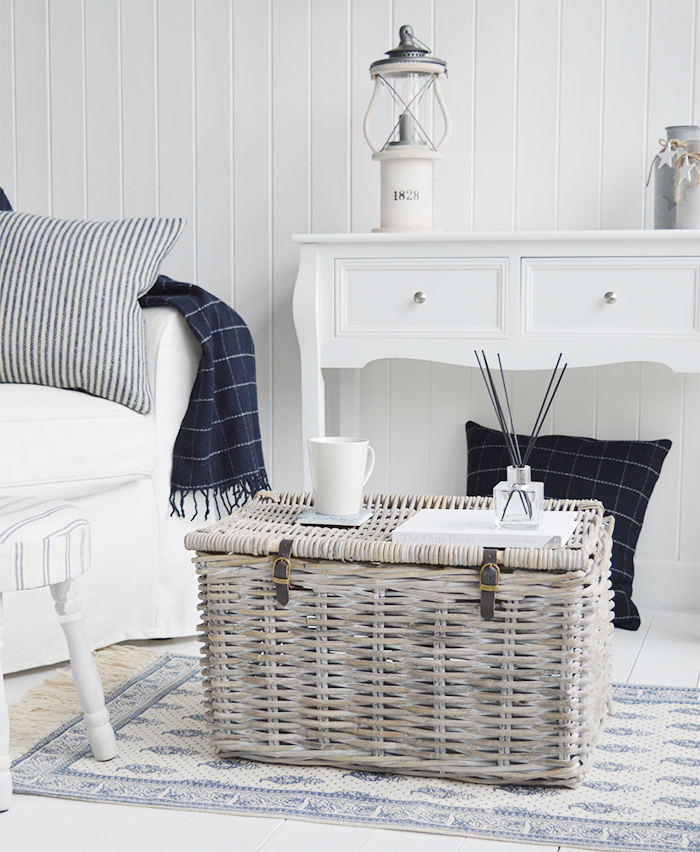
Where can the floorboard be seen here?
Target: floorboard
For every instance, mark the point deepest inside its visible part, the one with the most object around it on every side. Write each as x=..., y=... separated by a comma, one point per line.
x=627, y=645
x=472, y=845
x=295, y=836
x=219, y=831
x=385, y=840
x=665, y=651
x=670, y=655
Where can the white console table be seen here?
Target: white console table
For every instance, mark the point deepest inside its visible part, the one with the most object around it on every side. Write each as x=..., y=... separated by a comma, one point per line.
x=599, y=297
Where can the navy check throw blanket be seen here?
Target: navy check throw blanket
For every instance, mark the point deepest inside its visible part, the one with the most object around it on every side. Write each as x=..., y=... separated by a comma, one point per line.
x=218, y=452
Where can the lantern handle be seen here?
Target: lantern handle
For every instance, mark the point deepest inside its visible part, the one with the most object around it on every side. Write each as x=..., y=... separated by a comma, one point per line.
x=445, y=115
x=375, y=95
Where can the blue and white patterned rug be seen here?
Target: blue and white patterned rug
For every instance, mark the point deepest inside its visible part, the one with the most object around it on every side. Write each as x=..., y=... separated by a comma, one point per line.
x=643, y=792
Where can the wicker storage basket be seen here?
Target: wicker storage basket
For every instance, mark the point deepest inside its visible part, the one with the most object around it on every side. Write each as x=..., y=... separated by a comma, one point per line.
x=381, y=661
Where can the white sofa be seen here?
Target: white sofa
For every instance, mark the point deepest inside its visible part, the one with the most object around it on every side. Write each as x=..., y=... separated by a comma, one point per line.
x=113, y=463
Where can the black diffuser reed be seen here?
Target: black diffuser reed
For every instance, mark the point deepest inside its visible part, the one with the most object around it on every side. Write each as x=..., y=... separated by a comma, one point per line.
x=527, y=508
x=517, y=457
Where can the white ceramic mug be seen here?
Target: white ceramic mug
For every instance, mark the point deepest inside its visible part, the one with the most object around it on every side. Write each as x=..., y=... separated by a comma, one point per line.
x=339, y=469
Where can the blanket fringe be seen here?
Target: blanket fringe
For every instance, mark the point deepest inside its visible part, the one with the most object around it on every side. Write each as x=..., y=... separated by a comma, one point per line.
x=224, y=500
x=53, y=702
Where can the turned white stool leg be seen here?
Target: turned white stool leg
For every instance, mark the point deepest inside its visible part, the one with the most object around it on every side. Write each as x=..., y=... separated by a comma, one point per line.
x=85, y=675
x=5, y=778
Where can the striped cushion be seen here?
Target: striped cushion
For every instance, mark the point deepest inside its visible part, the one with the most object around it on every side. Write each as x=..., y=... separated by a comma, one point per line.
x=69, y=302
x=41, y=542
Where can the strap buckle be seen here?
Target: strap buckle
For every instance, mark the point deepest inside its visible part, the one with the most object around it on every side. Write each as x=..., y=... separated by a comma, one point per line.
x=284, y=577
x=488, y=583
x=281, y=568
x=493, y=577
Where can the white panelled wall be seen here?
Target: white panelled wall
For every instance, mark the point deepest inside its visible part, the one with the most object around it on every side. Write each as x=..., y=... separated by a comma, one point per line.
x=245, y=118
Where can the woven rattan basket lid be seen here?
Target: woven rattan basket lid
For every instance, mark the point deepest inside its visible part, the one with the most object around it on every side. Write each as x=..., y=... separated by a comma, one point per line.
x=257, y=528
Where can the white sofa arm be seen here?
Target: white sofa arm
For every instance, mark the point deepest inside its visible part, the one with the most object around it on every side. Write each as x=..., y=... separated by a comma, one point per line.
x=173, y=358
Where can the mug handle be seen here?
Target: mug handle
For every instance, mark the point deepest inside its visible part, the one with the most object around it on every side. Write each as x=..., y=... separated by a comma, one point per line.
x=370, y=464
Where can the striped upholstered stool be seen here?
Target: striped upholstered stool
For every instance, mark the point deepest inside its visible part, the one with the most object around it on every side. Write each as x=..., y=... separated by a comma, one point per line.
x=47, y=543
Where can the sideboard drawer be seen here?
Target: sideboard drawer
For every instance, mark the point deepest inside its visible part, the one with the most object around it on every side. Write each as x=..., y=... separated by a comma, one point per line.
x=420, y=297
x=608, y=295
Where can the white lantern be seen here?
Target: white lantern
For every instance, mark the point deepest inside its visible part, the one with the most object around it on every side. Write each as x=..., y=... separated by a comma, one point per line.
x=406, y=158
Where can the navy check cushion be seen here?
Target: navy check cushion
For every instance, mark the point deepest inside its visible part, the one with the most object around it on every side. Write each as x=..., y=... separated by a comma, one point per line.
x=69, y=302
x=621, y=474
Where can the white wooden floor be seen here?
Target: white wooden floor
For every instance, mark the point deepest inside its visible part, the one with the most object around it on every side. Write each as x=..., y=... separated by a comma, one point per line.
x=665, y=651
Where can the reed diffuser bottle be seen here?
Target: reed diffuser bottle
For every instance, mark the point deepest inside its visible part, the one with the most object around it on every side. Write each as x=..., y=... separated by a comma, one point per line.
x=518, y=501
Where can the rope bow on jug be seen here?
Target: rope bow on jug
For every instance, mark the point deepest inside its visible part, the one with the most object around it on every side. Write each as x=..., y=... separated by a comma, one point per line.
x=685, y=165
x=684, y=162
x=667, y=154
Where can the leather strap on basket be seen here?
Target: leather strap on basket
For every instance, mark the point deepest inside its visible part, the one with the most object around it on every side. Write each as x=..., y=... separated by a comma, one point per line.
x=280, y=571
x=488, y=582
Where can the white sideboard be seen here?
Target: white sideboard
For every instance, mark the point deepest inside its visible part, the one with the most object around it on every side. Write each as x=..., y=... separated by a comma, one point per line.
x=599, y=297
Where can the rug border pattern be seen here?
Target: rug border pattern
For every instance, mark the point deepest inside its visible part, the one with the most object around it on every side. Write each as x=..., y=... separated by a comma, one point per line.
x=34, y=773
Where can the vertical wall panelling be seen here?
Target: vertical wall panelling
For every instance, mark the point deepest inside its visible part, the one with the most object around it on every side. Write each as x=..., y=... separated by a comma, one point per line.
x=661, y=416
x=575, y=406
x=332, y=380
x=526, y=390
x=624, y=114
x=409, y=454
x=349, y=408
x=245, y=118
x=103, y=109
x=453, y=174
x=330, y=172
x=8, y=163
x=372, y=36
x=330, y=101
x=581, y=58
x=252, y=189
x=480, y=407
x=449, y=394
x=213, y=132
x=670, y=70
x=67, y=97
x=617, y=402
x=139, y=107
x=375, y=422
x=667, y=536
x=495, y=120
x=290, y=214
x=537, y=153
x=695, y=92
x=32, y=120
x=176, y=128
x=690, y=465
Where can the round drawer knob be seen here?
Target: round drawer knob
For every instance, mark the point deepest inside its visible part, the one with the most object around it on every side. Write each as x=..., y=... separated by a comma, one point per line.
x=610, y=297
x=419, y=297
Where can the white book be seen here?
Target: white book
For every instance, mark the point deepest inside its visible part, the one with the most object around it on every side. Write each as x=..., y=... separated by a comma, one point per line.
x=477, y=527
